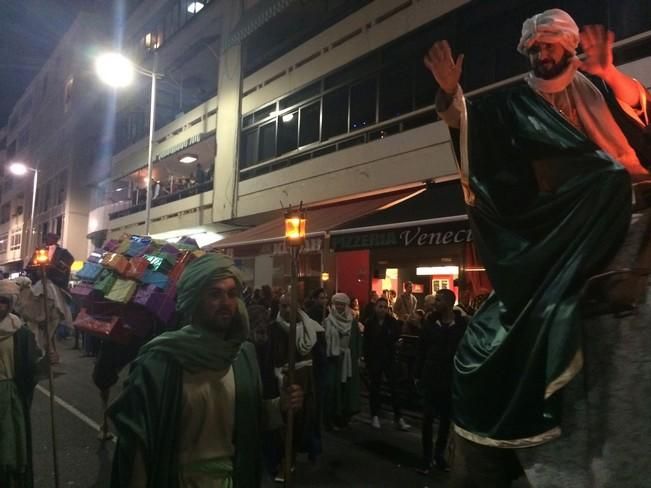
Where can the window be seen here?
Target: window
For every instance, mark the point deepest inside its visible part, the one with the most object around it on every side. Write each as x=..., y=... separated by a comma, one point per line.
x=16, y=238
x=5, y=213
x=395, y=94
x=335, y=113
x=267, y=141
x=58, y=228
x=287, y=132
x=3, y=242
x=248, y=148
x=362, y=104
x=309, y=131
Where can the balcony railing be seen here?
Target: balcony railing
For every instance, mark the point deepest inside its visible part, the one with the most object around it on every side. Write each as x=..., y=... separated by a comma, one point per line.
x=163, y=199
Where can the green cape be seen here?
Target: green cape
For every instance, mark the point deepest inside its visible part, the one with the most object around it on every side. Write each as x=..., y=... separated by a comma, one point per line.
x=538, y=248
x=147, y=413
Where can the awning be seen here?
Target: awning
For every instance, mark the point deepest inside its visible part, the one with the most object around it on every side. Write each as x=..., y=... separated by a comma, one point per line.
x=434, y=216
x=319, y=220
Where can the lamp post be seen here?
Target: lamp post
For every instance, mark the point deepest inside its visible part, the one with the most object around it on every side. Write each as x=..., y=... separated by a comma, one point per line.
x=117, y=71
x=295, y=224
x=21, y=169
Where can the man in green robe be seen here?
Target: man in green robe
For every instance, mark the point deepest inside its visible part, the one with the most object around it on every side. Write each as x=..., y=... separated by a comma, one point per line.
x=191, y=412
x=18, y=361
x=546, y=166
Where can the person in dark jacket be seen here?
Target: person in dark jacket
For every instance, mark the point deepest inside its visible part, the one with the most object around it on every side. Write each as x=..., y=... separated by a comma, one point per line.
x=442, y=331
x=380, y=337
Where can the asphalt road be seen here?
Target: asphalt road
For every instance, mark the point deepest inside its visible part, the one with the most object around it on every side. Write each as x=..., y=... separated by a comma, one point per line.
x=357, y=457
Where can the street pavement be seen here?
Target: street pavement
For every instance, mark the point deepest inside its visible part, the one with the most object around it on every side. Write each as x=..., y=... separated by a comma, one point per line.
x=356, y=457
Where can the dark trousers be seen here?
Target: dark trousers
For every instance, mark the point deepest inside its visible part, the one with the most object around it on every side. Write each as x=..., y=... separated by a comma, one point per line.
x=436, y=403
x=378, y=370
x=478, y=466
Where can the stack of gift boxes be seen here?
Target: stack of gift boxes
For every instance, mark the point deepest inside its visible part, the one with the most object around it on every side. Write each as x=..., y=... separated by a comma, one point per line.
x=127, y=290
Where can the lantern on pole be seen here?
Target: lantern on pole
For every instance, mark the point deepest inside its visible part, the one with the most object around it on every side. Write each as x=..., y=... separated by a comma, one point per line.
x=41, y=258
x=295, y=230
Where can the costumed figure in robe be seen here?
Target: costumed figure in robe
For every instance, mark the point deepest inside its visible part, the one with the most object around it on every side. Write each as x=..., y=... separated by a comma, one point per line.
x=307, y=434
x=343, y=349
x=59, y=300
x=553, y=370
x=191, y=412
x=18, y=365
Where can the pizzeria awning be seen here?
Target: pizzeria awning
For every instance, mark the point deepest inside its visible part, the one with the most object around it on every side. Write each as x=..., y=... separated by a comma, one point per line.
x=320, y=220
x=432, y=216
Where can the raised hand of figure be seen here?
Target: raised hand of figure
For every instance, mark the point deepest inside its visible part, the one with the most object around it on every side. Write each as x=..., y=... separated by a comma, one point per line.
x=446, y=71
x=597, y=44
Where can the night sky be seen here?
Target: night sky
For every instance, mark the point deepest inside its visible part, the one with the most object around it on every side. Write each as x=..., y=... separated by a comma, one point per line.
x=29, y=31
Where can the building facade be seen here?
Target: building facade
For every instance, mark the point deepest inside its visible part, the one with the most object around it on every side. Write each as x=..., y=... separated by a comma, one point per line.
x=54, y=129
x=324, y=102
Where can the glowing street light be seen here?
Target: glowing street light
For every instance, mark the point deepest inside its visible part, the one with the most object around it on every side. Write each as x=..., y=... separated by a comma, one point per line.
x=20, y=169
x=117, y=71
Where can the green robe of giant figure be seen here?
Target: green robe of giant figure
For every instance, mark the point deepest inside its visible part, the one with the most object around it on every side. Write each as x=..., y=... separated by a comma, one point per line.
x=548, y=209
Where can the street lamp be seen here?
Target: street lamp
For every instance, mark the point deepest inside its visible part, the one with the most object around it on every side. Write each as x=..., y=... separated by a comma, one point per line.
x=295, y=229
x=117, y=71
x=21, y=169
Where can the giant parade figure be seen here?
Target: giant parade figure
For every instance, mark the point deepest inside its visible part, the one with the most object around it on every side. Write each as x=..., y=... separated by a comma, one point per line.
x=553, y=374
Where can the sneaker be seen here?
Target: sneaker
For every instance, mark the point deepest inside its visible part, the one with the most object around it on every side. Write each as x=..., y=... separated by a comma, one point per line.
x=375, y=423
x=402, y=425
x=442, y=464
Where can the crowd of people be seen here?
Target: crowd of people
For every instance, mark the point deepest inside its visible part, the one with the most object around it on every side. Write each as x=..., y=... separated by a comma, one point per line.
x=340, y=348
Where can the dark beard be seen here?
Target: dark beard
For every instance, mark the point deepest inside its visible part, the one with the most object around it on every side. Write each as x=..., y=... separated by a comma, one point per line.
x=553, y=71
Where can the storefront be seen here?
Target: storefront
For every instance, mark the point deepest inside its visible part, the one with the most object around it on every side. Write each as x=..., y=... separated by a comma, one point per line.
x=425, y=239
x=261, y=254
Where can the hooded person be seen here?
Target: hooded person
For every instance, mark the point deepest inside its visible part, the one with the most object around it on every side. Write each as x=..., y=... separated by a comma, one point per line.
x=191, y=411
x=343, y=349
x=550, y=167
x=18, y=361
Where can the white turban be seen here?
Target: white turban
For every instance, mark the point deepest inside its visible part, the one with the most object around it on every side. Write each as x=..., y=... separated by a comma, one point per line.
x=340, y=298
x=551, y=26
x=9, y=289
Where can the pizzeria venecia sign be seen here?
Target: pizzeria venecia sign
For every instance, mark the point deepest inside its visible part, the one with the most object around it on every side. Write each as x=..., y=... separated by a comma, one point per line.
x=416, y=236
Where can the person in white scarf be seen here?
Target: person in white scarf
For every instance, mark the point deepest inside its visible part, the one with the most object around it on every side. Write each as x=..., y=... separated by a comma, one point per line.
x=343, y=351
x=550, y=40
x=18, y=358
x=307, y=429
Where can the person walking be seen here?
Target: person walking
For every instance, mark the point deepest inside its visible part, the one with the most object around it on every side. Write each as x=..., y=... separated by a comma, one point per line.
x=191, y=413
x=380, y=337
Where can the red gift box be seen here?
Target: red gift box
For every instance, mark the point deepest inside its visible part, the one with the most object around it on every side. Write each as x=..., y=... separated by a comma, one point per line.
x=176, y=272
x=136, y=268
x=109, y=327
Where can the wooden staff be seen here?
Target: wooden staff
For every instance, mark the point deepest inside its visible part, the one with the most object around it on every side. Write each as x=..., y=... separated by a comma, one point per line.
x=291, y=366
x=43, y=264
